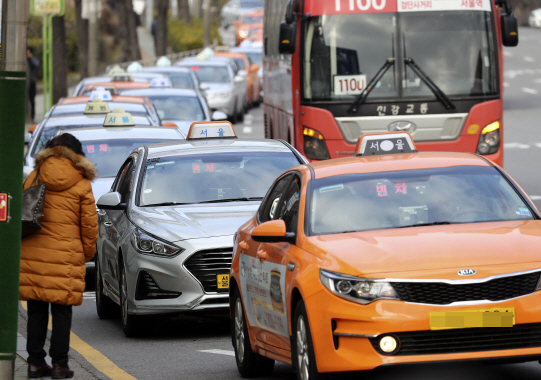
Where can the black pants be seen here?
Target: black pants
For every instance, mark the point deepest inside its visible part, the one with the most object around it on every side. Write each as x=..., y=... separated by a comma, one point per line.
x=32, y=98
x=38, y=317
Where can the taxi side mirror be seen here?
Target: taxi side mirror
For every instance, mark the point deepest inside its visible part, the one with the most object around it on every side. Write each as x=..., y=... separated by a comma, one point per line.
x=32, y=128
x=254, y=68
x=111, y=201
x=273, y=231
x=169, y=124
x=236, y=24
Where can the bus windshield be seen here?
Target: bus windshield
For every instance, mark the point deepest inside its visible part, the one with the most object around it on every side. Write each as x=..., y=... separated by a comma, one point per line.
x=456, y=50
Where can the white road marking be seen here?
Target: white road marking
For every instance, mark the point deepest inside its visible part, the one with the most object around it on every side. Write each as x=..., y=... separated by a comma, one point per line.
x=505, y=84
x=219, y=352
x=529, y=90
x=538, y=80
x=529, y=59
x=89, y=295
x=514, y=73
x=516, y=145
x=247, y=129
x=535, y=197
x=538, y=145
x=507, y=53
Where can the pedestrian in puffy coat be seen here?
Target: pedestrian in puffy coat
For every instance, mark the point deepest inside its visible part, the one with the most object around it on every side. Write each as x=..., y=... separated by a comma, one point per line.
x=53, y=258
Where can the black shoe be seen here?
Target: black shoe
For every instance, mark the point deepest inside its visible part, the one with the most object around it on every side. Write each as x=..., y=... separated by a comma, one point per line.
x=61, y=372
x=37, y=371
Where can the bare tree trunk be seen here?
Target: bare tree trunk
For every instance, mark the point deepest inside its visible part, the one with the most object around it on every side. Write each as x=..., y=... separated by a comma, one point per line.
x=161, y=26
x=127, y=32
x=184, y=11
x=60, y=60
x=82, y=40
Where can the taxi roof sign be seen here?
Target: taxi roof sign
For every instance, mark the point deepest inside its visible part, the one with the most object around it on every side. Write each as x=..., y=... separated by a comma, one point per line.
x=100, y=93
x=111, y=88
x=122, y=77
x=97, y=106
x=118, y=118
x=116, y=69
x=211, y=130
x=372, y=144
x=160, y=82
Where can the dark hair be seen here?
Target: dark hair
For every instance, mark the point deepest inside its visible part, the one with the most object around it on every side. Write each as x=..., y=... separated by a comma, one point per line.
x=30, y=48
x=67, y=140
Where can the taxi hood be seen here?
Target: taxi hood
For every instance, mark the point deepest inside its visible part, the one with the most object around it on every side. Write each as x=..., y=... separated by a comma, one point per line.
x=432, y=249
x=175, y=223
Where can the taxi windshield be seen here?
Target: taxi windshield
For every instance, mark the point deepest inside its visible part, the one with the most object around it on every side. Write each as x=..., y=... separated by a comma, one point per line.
x=178, y=107
x=410, y=198
x=181, y=80
x=108, y=155
x=218, y=177
x=213, y=74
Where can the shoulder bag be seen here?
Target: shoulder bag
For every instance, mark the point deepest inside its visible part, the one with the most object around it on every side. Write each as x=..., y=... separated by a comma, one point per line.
x=33, y=199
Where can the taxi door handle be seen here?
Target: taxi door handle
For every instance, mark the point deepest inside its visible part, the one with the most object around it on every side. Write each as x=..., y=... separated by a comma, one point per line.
x=244, y=245
x=262, y=255
x=108, y=224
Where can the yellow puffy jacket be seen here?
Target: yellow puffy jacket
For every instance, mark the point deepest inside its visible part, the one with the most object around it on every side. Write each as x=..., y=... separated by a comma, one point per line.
x=53, y=258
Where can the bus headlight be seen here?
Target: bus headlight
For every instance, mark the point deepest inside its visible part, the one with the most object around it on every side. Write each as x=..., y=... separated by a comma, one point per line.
x=489, y=140
x=314, y=145
x=357, y=289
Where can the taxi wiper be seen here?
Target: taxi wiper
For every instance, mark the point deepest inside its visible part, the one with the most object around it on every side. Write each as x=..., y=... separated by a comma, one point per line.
x=167, y=204
x=430, y=84
x=425, y=224
x=241, y=199
x=368, y=89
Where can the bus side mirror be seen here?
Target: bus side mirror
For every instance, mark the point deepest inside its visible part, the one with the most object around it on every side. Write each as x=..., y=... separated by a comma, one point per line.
x=288, y=38
x=509, y=30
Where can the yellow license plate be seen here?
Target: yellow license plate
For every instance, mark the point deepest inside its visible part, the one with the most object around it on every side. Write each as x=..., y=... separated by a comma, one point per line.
x=463, y=319
x=223, y=281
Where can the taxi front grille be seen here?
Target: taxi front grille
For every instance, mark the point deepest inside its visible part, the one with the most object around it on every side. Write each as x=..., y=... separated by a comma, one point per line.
x=464, y=340
x=440, y=293
x=206, y=265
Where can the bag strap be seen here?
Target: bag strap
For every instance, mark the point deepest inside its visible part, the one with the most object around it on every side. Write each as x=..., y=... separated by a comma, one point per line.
x=36, y=177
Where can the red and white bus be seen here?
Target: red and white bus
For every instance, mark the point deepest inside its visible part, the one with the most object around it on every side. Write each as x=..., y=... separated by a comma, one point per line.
x=337, y=69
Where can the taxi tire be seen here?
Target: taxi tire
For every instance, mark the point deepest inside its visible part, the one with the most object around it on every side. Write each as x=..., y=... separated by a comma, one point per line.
x=105, y=307
x=130, y=322
x=252, y=364
x=302, y=330
x=233, y=116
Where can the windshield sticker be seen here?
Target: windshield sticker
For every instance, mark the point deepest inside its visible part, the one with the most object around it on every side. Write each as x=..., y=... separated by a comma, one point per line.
x=523, y=211
x=349, y=84
x=442, y=5
x=381, y=189
x=401, y=188
x=148, y=191
x=263, y=291
x=413, y=215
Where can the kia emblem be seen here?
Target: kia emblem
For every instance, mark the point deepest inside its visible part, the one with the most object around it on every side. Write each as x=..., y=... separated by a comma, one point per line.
x=466, y=272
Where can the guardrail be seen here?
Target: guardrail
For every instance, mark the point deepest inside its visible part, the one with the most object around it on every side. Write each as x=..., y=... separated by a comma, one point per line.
x=152, y=61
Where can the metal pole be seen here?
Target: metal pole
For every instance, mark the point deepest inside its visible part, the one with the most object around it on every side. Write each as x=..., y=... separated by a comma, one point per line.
x=50, y=64
x=12, y=118
x=45, y=63
x=93, y=39
x=206, y=22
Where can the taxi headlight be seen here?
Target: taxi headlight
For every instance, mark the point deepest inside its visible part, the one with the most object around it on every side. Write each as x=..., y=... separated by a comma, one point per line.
x=356, y=289
x=489, y=140
x=243, y=33
x=152, y=246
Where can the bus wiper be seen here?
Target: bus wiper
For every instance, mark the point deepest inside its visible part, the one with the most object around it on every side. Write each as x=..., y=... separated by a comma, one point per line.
x=241, y=199
x=368, y=89
x=431, y=85
x=425, y=224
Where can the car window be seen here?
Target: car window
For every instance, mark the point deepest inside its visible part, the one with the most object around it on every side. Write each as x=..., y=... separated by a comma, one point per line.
x=181, y=80
x=125, y=179
x=178, y=107
x=212, y=74
x=269, y=207
x=361, y=202
x=289, y=207
x=212, y=177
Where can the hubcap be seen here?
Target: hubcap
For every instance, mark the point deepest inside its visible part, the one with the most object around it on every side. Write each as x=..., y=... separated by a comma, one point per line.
x=239, y=330
x=302, y=349
x=124, y=292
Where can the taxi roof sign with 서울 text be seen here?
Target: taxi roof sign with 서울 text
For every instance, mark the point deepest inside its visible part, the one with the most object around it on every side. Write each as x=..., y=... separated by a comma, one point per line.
x=100, y=93
x=211, y=130
x=118, y=118
x=372, y=144
x=97, y=106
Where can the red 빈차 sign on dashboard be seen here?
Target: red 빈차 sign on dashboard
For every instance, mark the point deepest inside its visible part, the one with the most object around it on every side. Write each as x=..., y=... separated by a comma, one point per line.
x=3, y=207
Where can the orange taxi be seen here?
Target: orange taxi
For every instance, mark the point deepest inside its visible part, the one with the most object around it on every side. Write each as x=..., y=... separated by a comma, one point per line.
x=251, y=69
x=116, y=98
x=115, y=87
x=246, y=23
x=391, y=256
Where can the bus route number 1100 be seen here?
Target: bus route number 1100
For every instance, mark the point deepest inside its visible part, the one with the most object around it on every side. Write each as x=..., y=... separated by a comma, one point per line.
x=349, y=84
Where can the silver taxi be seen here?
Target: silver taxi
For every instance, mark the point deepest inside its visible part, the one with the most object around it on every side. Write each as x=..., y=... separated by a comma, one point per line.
x=166, y=227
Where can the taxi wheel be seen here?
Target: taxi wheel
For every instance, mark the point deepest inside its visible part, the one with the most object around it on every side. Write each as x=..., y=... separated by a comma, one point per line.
x=130, y=322
x=304, y=359
x=233, y=116
x=105, y=307
x=249, y=363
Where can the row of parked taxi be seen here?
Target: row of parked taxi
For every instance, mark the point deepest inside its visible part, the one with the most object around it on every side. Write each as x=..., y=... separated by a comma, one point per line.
x=386, y=257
